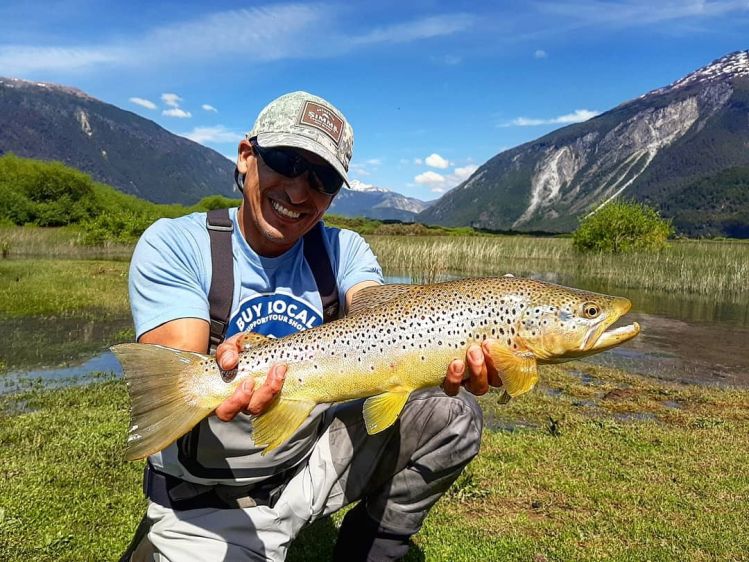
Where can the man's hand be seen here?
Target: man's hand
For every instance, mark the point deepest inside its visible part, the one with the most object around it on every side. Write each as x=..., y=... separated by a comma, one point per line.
x=246, y=398
x=481, y=372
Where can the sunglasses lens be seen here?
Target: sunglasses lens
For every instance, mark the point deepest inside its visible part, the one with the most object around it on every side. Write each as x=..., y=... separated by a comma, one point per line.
x=330, y=181
x=291, y=164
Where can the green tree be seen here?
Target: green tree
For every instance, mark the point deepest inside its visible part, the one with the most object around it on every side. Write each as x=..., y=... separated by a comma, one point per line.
x=620, y=227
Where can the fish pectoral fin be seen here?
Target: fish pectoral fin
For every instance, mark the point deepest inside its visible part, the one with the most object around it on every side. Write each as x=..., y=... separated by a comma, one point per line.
x=517, y=369
x=280, y=422
x=381, y=411
x=251, y=340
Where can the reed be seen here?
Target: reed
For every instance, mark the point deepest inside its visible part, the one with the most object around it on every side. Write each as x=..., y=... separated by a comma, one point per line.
x=62, y=242
x=718, y=269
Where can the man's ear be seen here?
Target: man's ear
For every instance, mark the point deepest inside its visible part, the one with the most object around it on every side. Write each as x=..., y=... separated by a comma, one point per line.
x=244, y=151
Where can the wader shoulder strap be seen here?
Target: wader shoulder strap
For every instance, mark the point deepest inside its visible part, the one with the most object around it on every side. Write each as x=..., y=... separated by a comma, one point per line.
x=319, y=262
x=220, y=228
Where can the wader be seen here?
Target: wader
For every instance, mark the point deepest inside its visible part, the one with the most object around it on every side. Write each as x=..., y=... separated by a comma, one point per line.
x=398, y=474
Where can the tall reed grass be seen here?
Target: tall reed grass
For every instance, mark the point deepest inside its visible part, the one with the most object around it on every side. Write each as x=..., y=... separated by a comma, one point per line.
x=716, y=269
x=62, y=242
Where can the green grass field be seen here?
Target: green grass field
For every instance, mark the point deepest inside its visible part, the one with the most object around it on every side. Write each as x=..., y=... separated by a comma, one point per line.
x=652, y=472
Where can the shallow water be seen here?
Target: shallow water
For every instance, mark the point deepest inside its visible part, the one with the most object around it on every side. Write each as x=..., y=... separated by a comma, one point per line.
x=683, y=338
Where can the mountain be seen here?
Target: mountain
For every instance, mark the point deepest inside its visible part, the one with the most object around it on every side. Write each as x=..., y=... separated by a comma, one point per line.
x=683, y=149
x=376, y=203
x=117, y=147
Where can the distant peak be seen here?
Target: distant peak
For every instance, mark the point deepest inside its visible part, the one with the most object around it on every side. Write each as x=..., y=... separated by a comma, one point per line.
x=729, y=66
x=20, y=83
x=357, y=185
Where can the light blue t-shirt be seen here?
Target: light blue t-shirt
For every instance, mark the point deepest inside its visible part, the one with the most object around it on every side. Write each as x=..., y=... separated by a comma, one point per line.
x=170, y=277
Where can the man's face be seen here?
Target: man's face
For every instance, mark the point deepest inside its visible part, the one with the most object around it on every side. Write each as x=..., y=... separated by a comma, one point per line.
x=277, y=210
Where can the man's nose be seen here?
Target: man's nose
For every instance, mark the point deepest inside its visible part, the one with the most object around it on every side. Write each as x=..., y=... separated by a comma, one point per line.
x=298, y=188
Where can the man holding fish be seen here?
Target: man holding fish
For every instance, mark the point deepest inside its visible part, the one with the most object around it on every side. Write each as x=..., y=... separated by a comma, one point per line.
x=215, y=494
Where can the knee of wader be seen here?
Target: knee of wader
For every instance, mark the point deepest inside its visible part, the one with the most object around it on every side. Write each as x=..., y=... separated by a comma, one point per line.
x=469, y=421
x=452, y=427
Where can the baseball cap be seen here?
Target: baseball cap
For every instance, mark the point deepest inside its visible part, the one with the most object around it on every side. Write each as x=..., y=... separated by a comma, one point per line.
x=302, y=120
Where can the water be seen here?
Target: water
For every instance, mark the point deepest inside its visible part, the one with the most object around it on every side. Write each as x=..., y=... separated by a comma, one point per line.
x=683, y=338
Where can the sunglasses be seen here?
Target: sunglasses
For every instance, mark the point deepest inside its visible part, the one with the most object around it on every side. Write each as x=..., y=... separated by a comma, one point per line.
x=290, y=163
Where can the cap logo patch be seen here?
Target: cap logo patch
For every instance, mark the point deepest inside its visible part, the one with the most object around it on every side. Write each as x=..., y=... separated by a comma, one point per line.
x=321, y=118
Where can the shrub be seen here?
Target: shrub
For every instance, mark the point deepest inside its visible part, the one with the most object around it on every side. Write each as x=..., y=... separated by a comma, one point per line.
x=621, y=227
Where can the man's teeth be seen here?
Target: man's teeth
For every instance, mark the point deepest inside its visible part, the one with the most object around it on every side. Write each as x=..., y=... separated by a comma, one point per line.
x=284, y=211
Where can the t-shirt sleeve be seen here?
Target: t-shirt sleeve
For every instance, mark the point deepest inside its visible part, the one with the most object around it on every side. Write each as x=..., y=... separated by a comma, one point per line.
x=356, y=262
x=168, y=278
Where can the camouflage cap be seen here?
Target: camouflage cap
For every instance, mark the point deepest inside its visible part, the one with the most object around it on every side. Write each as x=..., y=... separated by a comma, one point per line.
x=301, y=120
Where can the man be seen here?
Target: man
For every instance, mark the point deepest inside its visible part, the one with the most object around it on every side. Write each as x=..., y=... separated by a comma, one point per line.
x=212, y=495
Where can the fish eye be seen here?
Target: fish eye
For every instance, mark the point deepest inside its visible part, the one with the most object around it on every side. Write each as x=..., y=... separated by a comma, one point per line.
x=591, y=310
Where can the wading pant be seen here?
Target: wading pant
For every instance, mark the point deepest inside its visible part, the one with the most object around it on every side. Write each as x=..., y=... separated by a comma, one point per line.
x=398, y=474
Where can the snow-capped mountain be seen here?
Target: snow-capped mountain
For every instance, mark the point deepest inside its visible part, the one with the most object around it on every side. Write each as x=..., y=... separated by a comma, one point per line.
x=683, y=148
x=366, y=200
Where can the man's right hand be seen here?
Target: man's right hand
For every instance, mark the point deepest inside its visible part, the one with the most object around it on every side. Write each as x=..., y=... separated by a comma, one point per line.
x=246, y=397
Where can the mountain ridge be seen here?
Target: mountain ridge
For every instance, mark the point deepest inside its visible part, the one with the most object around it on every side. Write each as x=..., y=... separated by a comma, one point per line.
x=648, y=149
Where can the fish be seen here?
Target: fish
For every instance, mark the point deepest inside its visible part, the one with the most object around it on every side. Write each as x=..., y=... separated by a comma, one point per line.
x=395, y=340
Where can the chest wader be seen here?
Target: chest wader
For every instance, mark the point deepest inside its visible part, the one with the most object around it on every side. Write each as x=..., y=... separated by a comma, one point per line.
x=173, y=492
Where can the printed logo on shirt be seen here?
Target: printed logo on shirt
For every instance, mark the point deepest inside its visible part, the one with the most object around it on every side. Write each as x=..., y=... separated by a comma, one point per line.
x=275, y=315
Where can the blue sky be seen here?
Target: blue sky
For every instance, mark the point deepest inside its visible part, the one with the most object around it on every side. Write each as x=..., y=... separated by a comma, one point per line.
x=432, y=89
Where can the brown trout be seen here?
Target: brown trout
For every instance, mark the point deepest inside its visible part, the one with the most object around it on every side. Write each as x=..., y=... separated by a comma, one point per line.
x=395, y=340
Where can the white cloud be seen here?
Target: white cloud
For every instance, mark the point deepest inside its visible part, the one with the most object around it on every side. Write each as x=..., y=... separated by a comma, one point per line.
x=464, y=172
x=219, y=133
x=287, y=31
x=636, y=13
x=578, y=116
x=436, y=161
x=418, y=161
x=143, y=103
x=425, y=28
x=208, y=107
x=373, y=161
x=177, y=112
x=172, y=100
x=24, y=59
x=430, y=178
x=540, y=54
x=438, y=190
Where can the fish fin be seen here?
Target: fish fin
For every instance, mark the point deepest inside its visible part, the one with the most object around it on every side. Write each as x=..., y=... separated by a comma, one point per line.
x=505, y=398
x=163, y=403
x=251, y=340
x=376, y=295
x=279, y=423
x=381, y=411
x=517, y=369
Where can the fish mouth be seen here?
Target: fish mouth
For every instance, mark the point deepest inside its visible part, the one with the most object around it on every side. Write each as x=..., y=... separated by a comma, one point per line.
x=612, y=338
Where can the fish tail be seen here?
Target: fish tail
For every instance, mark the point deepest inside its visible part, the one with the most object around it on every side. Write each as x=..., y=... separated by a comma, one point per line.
x=163, y=403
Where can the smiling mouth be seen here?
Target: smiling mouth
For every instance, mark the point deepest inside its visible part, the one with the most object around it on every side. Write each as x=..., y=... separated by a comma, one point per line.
x=284, y=212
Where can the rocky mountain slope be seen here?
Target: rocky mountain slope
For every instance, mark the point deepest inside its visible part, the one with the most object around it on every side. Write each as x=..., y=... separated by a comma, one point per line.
x=683, y=148
x=117, y=147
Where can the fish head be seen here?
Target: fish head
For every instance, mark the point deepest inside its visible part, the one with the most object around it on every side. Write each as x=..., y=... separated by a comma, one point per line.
x=561, y=324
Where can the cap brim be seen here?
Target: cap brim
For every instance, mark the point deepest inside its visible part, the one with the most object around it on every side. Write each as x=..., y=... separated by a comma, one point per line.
x=297, y=141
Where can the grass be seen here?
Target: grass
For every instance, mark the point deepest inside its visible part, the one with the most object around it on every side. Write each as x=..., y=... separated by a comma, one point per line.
x=570, y=471
x=715, y=269
x=54, y=310
x=59, y=243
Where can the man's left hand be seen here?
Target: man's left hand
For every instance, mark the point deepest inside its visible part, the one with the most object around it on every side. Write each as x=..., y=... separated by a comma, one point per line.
x=476, y=373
